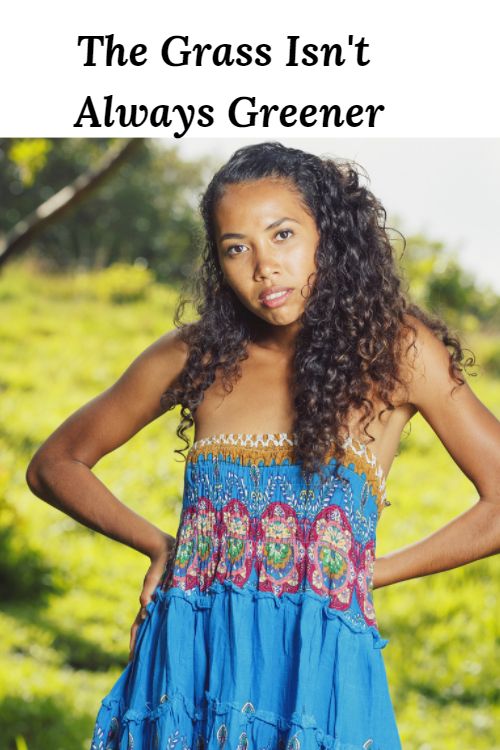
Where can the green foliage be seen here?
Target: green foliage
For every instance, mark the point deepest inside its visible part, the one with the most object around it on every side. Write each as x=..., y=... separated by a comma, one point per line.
x=117, y=283
x=30, y=156
x=492, y=363
x=146, y=210
x=440, y=285
x=64, y=339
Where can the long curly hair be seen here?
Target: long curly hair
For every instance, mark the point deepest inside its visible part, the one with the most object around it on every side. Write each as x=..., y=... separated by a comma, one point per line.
x=349, y=346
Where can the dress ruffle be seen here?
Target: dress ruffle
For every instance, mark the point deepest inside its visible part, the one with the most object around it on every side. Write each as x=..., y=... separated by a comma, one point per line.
x=205, y=600
x=248, y=674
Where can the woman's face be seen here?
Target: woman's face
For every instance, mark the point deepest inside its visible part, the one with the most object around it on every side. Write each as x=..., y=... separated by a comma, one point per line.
x=266, y=239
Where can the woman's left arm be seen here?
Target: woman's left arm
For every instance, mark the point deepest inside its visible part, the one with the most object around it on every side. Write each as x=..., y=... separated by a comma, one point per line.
x=471, y=435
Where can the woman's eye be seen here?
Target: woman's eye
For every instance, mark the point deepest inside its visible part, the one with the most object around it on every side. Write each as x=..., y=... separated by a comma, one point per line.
x=283, y=234
x=234, y=247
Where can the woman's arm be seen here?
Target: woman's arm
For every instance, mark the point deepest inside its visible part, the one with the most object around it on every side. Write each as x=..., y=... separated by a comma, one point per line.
x=60, y=472
x=471, y=435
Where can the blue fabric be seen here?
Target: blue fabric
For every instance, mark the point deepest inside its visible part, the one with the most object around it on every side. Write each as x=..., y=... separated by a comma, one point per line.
x=262, y=632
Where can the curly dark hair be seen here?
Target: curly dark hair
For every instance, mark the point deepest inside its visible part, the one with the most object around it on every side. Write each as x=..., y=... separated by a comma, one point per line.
x=353, y=326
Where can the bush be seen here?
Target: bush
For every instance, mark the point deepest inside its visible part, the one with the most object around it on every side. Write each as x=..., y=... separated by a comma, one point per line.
x=491, y=361
x=118, y=283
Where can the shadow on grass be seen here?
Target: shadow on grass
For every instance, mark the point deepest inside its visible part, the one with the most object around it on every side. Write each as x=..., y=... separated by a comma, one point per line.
x=44, y=724
x=24, y=575
x=80, y=653
x=75, y=650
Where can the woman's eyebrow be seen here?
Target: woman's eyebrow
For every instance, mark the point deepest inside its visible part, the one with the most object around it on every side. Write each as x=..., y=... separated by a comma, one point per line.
x=280, y=221
x=236, y=236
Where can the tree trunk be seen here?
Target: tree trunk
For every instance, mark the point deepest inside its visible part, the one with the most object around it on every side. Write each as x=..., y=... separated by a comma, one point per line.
x=64, y=201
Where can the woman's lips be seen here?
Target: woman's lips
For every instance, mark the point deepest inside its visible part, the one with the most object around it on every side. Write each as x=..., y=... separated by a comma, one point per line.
x=277, y=301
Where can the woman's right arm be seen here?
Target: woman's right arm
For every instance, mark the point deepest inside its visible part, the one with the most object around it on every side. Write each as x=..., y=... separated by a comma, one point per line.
x=60, y=472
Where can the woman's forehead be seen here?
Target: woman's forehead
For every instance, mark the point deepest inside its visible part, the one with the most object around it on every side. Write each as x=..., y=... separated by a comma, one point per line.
x=260, y=197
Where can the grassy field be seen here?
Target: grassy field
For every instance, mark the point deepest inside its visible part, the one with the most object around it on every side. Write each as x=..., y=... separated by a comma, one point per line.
x=69, y=595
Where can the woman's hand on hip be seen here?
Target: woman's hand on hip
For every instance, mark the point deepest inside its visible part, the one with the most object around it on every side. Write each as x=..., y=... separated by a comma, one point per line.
x=159, y=561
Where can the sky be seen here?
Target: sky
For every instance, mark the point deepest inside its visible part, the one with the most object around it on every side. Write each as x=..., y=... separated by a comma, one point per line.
x=449, y=189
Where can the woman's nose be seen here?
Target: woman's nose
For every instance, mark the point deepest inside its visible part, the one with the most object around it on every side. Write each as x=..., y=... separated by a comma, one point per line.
x=266, y=261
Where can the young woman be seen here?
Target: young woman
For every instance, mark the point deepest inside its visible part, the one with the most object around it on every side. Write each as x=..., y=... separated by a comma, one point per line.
x=257, y=626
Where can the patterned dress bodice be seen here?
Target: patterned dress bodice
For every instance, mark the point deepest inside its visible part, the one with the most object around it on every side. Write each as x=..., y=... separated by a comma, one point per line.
x=250, y=521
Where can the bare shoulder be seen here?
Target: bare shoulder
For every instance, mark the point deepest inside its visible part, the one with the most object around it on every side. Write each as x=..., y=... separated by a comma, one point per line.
x=469, y=431
x=153, y=371
x=425, y=361
x=168, y=353
x=115, y=415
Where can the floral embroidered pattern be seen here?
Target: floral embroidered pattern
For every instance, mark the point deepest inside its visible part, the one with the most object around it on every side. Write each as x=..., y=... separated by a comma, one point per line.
x=287, y=554
x=293, y=743
x=281, y=550
x=235, y=558
x=222, y=735
x=364, y=582
x=195, y=560
x=332, y=556
x=176, y=741
x=98, y=742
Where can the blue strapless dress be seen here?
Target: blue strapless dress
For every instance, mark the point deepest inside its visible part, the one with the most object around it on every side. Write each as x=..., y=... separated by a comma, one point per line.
x=261, y=634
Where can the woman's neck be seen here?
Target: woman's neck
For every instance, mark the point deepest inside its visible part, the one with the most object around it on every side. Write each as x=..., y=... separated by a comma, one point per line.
x=280, y=339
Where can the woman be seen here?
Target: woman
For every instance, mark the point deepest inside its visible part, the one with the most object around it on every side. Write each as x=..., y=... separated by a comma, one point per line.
x=257, y=627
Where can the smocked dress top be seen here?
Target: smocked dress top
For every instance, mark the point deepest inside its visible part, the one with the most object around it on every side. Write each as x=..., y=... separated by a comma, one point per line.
x=250, y=522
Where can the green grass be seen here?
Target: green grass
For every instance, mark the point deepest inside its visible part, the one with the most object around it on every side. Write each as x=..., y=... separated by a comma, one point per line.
x=69, y=595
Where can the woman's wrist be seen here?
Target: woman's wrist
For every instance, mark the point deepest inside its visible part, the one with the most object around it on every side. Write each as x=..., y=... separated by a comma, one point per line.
x=161, y=546
x=378, y=573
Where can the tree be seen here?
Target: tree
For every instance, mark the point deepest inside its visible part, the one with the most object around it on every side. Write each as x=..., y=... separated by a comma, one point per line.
x=65, y=200
x=147, y=210
x=438, y=283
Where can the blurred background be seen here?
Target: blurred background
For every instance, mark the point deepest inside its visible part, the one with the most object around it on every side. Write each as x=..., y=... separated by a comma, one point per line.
x=96, y=237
